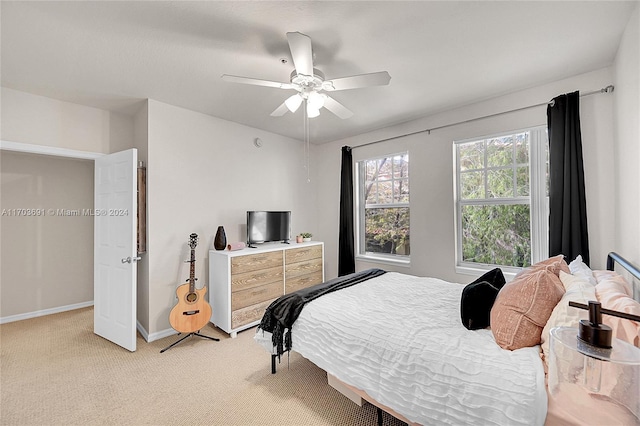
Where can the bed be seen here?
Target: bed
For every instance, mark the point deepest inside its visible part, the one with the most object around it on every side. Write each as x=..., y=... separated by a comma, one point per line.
x=398, y=342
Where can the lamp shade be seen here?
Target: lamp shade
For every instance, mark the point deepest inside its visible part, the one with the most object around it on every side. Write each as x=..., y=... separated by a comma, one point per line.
x=316, y=100
x=312, y=112
x=593, y=385
x=293, y=102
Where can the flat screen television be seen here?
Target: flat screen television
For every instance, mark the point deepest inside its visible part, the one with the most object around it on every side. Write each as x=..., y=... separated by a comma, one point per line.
x=266, y=226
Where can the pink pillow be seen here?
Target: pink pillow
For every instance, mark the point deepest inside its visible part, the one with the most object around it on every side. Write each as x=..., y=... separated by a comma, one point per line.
x=524, y=306
x=553, y=264
x=612, y=295
x=613, y=279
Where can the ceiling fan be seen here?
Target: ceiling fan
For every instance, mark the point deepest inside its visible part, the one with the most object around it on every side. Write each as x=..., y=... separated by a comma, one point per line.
x=310, y=83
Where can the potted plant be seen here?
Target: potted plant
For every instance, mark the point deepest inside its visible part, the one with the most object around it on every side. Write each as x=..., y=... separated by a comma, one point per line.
x=306, y=236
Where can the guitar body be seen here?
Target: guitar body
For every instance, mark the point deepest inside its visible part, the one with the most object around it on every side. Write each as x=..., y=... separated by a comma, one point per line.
x=192, y=312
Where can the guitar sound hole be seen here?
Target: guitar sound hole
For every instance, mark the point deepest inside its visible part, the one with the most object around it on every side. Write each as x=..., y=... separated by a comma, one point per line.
x=191, y=297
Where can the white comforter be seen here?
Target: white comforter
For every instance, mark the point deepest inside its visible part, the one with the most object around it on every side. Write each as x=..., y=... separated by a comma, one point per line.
x=400, y=339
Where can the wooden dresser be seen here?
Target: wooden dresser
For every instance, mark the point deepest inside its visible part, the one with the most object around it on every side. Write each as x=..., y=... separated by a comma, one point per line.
x=243, y=283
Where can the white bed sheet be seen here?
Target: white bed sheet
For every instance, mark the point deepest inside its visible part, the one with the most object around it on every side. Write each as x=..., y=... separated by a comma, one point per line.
x=400, y=339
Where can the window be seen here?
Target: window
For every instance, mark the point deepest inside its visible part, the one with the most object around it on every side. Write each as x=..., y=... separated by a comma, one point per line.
x=383, y=207
x=502, y=200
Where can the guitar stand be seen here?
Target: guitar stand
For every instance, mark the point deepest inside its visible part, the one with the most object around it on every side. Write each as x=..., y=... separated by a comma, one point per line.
x=195, y=333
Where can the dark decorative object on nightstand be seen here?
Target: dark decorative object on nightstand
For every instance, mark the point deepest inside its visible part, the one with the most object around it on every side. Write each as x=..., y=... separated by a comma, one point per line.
x=220, y=241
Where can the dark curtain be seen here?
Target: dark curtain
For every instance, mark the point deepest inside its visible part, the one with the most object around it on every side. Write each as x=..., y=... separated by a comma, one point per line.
x=346, y=253
x=567, y=202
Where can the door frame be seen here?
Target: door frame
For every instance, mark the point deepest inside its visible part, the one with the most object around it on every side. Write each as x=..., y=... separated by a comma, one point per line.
x=58, y=152
x=48, y=150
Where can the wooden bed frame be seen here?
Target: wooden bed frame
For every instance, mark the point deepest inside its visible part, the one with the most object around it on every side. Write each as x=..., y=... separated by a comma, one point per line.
x=357, y=396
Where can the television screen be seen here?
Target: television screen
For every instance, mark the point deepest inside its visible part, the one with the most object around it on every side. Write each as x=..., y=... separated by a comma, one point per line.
x=265, y=226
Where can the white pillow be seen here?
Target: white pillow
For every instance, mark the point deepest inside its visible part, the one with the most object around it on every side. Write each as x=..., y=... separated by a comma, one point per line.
x=579, y=268
x=578, y=289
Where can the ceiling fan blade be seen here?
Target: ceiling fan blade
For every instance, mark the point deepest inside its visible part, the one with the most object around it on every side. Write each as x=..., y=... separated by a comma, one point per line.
x=301, y=52
x=256, y=82
x=280, y=111
x=381, y=78
x=337, y=108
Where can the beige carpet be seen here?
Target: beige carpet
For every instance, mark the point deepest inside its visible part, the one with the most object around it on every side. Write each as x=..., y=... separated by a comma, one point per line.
x=55, y=371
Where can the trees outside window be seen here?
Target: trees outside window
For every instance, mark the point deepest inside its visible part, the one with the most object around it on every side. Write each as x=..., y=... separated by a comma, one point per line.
x=501, y=199
x=384, y=206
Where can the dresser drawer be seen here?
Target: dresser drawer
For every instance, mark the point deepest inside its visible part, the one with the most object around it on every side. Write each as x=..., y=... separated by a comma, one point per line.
x=303, y=281
x=302, y=268
x=303, y=253
x=254, y=262
x=252, y=279
x=249, y=314
x=251, y=296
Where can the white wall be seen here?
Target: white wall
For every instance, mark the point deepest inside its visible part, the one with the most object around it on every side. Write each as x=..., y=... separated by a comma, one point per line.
x=627, y=137
x=431, y=170
x=55, y=251
x=38, y=120
x=204, y=172
x=141, y=143
x=47, y=256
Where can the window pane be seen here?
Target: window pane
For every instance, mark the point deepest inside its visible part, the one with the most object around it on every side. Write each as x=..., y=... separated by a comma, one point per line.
x=385, y=194
x=370, y=171
x=387, y=230
x=500, y=183
x=401, y=191
x=522, y=174
x=471, y=155
x=497, y=235
x=384, y=169
x=472, y=185
x=370, y=193
x=500, y=151
x=401, y=166
x=522, y=148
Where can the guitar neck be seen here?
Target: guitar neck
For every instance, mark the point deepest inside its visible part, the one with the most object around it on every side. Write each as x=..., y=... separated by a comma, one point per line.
x=192, y=271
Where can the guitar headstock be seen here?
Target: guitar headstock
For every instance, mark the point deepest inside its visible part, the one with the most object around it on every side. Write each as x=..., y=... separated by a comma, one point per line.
x=193, y=240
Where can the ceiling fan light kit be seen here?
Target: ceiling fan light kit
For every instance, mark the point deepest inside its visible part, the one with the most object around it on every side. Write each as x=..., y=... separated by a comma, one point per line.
x=309, y=82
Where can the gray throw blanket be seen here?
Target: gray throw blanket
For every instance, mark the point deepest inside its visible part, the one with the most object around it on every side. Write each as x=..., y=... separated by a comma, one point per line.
x=283, y=312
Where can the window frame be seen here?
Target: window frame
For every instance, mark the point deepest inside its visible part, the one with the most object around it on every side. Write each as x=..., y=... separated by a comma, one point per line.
x=538, y=200
x=360, y=208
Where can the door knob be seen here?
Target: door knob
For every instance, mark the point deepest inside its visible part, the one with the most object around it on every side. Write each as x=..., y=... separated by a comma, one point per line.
x=128, y=259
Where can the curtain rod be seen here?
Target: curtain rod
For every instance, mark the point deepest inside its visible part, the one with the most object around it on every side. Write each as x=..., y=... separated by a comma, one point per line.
x=607, y=89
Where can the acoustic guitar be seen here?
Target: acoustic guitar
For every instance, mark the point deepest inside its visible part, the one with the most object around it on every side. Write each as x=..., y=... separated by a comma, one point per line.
x=192, y=312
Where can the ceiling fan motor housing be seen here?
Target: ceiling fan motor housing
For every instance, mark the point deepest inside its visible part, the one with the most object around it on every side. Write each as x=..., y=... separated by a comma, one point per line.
x=306, y=84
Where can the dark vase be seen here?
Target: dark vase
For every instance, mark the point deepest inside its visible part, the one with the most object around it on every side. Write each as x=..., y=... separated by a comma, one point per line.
x=220, y=241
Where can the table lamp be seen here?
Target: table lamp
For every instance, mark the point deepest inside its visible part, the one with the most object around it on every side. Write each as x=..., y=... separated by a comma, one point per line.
x=592, y=376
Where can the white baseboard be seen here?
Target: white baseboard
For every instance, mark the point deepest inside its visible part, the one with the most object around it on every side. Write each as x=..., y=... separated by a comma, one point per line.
x=160, y=335
x=148, y=337
x=142, y=331
x=28, y=315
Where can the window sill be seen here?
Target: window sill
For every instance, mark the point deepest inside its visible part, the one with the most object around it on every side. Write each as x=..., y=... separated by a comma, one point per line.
x=478, y=270
x=385, y=260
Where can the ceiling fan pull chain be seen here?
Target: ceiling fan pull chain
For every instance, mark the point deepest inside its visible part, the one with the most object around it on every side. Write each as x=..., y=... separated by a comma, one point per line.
x=306, y=140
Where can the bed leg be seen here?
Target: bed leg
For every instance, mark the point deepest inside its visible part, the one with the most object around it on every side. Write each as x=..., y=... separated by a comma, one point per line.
x=379, y=411
x=273, y=364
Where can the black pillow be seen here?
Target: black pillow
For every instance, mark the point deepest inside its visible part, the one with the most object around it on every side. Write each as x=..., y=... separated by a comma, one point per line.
x=478, y=297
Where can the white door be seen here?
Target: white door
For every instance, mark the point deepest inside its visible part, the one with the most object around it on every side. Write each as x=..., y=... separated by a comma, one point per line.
x=115, y=249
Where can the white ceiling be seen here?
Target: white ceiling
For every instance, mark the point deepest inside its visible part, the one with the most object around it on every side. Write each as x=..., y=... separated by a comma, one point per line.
x=440, y=55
